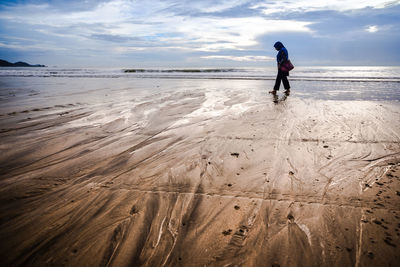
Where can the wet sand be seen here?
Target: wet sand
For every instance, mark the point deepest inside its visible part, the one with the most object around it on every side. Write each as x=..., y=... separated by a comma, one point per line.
x=207, y=175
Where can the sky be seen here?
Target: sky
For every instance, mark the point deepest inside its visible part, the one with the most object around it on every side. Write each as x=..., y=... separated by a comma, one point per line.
x=199, y=33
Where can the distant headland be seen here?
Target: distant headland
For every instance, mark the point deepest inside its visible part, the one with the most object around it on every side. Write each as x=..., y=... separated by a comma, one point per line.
x=5, y=63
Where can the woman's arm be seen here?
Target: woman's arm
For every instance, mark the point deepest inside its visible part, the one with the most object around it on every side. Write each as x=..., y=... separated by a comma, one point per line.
x=282, y=56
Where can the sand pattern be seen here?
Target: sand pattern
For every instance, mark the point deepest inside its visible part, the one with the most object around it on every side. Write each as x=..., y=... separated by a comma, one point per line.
x=215, y=177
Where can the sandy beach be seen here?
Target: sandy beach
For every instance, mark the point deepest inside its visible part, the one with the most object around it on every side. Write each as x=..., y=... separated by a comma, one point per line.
x=214, y=173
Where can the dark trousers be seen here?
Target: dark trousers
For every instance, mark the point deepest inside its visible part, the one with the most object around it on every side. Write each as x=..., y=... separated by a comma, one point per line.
x=282, y=76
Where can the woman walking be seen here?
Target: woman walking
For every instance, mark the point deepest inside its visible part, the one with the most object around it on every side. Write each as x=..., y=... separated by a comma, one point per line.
x=281, y=57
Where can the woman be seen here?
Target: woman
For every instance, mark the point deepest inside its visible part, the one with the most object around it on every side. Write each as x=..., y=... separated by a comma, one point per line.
x=281, y=57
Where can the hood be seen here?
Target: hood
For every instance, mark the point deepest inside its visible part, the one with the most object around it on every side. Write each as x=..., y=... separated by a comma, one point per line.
x=278, y=45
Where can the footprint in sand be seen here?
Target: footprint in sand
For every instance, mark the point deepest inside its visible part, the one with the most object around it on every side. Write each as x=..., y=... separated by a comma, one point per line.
x=370, y=255
x=235, y=154
x=227, y=232
x=133, y=210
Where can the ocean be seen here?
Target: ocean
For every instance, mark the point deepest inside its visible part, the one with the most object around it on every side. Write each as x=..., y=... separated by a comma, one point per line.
x=327, y=83
x=351, y=74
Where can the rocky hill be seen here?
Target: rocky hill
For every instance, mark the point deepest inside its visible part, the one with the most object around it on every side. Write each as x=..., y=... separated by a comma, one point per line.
x=5, y=63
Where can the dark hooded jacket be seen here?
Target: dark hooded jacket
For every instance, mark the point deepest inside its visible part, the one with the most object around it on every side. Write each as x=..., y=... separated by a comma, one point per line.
x=282, y=55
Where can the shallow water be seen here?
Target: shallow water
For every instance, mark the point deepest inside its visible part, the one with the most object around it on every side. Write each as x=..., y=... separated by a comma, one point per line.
x=340, y=73
x=328, y=83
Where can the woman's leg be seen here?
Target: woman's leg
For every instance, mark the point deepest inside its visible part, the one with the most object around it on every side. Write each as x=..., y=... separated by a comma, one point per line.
x=285, y=82
x=278, y=80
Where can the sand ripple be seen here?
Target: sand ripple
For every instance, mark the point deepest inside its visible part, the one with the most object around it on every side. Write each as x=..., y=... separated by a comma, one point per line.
x=194, y=178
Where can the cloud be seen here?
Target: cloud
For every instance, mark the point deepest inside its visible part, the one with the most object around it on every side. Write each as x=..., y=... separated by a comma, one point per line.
x=195, y=29
x=208, y=6
x=215, y=34
x=128, y=21
x=241, y=58
x=271, y=7
x=36, y=47
x=114, y=38
x=372, y=28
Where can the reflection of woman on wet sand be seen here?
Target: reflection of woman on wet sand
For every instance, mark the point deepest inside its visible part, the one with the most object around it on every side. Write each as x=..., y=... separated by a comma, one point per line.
x=276, y=99
x=281, y=57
